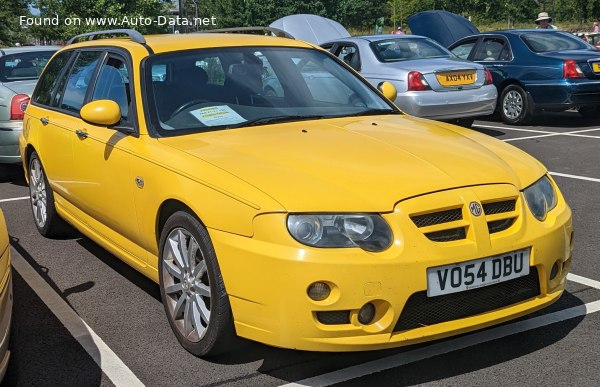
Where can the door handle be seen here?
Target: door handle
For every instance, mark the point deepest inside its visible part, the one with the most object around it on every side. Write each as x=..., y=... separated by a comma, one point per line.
x=81, y=134
x=45, y=121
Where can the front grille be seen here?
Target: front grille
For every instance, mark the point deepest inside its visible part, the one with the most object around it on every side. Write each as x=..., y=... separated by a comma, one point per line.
x=454, y=234
x=437, y=217
x=336, y=317
x=500, y=225
x=421, y=310
x=499, y=207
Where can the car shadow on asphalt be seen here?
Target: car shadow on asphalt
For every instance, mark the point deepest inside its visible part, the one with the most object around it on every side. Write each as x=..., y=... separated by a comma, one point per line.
x=43, y=352
x=293, y=365
x=12, y=174
x=140, y=280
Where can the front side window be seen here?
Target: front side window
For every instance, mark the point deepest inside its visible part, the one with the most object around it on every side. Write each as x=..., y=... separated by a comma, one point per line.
x=245, y=86
x=464, y=50
x=395, y=50
x=47, y=83
x=23, y=65
x=79, y=80
x=113, y=84
x=350, y=55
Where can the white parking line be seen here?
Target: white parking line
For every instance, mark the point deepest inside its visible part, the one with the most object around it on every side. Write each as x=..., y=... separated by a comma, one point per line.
x=452, y=345
x=14, y=199
x=530, y=137
x=106, y=359
x=508, y=128
x=584, y=281
x=575, y=177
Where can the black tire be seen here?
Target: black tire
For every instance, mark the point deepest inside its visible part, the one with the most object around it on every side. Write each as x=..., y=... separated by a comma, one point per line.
x=184, y=289
x=45, y=217
x=589, y=112
x=514, y=106
x=465, y=122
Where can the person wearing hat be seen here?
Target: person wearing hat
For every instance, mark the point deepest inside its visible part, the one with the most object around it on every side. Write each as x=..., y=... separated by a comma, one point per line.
x=544, y=21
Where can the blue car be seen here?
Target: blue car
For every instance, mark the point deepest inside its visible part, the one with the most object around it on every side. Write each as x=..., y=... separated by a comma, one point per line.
x=533, y=70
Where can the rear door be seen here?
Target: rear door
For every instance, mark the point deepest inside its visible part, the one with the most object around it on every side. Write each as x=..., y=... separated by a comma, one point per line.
x=495, y=53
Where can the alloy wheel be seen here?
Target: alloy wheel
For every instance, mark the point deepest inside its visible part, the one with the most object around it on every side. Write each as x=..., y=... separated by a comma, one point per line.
x=37, y=190
x=186, y=284
x=512, y=105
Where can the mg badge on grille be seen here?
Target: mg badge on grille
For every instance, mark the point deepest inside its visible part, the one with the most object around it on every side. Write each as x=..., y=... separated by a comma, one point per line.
x=475, y=208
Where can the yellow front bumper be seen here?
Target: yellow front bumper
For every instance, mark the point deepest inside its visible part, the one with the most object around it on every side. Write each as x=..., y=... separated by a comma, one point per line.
x=6, y=302
x=267, y=277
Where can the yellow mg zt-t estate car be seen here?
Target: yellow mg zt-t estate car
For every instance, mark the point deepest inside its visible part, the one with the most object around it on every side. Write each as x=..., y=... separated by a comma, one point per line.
x=321, y=218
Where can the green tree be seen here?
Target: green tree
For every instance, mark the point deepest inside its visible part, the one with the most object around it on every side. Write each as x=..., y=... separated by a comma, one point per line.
x=10, y=29
x=83, y=9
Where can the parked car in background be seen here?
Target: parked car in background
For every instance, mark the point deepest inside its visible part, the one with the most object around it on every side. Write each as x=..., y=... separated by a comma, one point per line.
x=593, y=38
x=431, y=81
x=20, y=67
x=305, y=220
x=6, y=297
x=533, y=70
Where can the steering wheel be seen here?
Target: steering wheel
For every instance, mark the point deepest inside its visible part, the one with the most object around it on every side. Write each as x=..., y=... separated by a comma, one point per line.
x=187, y=105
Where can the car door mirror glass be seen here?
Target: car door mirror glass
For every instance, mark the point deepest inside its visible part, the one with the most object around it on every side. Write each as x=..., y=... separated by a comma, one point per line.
x=103, y=112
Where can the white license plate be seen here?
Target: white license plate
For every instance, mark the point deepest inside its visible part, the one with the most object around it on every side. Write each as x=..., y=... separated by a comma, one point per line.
x=477, y=273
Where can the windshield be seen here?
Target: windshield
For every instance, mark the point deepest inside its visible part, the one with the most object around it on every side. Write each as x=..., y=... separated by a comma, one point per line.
x=547, y=42
x=209, y=89
x=394, y=50
x=23, y=65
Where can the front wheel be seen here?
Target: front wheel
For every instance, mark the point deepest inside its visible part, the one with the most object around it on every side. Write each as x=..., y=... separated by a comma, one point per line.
x=192, y=288
x=514, y=106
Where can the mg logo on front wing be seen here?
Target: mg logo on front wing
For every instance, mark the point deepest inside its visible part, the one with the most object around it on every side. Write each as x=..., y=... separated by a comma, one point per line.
x=475, y=208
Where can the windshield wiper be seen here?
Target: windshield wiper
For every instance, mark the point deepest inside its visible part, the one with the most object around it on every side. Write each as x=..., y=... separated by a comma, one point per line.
x=373, y=112
x=276, y=119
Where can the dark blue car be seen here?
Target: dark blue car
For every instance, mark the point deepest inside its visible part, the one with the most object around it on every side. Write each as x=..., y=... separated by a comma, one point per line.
x=534, y=70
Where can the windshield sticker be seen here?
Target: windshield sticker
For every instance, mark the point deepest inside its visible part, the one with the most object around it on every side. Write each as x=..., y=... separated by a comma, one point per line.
x=217, y=116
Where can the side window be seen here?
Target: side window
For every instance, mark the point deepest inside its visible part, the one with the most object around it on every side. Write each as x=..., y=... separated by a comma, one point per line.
x=79, y=80
x=113, y=84
x=49, y=79
x=492, y=49
x=350, y=55
x=463, y=50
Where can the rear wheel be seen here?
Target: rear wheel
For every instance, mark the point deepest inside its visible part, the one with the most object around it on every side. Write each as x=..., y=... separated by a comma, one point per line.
x=589, y=112
x=192, y=289
x=514, y=106
x=47, y=220
x=465, y=122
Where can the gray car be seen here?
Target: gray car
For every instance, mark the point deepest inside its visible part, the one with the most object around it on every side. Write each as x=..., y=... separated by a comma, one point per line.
x=20, y=67
x=431, y=81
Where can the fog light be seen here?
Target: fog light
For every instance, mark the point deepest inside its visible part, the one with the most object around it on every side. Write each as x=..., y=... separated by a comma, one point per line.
x=319, y=291
x=554, y=271
x=366, y=314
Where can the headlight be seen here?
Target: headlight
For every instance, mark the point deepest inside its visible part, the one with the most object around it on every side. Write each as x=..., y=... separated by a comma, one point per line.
x=540, y=197
x=369, y=232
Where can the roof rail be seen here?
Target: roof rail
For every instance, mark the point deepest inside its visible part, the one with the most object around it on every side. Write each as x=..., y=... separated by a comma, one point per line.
x=242, y=30
x=133, y=34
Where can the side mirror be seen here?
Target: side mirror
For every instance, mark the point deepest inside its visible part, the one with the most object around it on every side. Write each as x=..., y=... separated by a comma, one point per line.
x=103, y=112
x=388, y=90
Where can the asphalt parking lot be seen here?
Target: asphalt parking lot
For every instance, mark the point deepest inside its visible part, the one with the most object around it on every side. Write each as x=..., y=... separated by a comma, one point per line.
x=84, y=318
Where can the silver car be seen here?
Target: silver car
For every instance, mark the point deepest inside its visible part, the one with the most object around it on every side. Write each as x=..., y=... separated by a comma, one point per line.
x=20, y=67
x=431, y=81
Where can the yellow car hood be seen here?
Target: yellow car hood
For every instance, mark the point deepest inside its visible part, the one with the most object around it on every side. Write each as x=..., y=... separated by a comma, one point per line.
x=360, y=163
